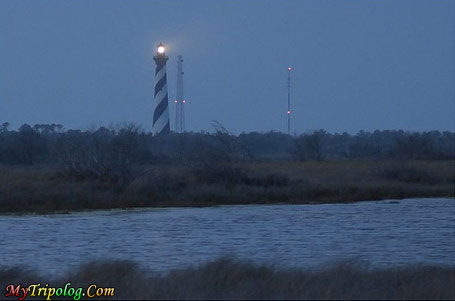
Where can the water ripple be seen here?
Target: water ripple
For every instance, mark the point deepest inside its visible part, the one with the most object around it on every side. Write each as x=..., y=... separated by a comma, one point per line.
x=384, y=233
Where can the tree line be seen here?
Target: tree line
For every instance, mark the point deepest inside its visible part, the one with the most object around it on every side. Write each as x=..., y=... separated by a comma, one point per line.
x=117, y=147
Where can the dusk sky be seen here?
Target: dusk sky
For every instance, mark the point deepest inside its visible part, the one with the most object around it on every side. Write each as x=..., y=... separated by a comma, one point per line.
x=357, y=65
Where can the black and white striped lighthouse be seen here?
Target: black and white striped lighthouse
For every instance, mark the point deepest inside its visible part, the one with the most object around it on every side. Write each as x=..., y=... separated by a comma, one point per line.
x=161, y=111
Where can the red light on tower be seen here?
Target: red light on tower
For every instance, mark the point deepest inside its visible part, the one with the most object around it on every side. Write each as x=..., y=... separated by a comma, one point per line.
x=176, y=101
x=289, y=68
x=289, y=112
x=184, y=101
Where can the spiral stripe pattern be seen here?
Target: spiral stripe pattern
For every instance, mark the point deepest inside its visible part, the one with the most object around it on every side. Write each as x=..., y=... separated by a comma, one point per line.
x=161, y=111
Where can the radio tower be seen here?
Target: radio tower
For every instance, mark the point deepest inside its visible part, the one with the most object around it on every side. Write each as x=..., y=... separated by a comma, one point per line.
x=161, y=111
x=180, y=100
x=289, y=100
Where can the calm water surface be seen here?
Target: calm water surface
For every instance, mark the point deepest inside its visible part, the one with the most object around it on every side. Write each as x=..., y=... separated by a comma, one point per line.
x=383, y=233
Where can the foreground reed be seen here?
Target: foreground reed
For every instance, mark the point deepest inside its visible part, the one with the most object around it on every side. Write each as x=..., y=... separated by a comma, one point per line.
x=228, y=278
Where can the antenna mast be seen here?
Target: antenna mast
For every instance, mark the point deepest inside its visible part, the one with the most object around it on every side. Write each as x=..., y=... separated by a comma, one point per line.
x=180, y=100
x=289, y=100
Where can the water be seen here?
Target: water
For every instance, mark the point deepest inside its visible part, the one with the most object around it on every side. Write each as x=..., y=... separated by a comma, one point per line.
x=384, y=233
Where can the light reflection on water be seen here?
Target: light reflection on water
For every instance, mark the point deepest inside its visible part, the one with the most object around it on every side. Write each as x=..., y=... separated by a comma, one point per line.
x=383, y=233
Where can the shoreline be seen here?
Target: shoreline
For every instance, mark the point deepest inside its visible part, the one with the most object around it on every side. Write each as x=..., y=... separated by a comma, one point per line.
x=175, y=206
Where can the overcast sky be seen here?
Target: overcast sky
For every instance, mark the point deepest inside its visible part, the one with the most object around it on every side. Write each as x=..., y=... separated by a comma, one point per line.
x=357, y=65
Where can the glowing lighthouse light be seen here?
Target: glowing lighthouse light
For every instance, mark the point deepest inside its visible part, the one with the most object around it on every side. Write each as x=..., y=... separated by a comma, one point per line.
x=289, y=68
x=289, y=112
x=161, y=125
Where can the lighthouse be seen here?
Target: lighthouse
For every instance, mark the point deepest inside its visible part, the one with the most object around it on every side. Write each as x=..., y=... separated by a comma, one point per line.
x=161, y=124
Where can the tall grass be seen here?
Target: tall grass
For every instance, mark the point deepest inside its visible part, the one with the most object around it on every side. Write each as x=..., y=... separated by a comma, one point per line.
x=37, y=189
x=228, y=278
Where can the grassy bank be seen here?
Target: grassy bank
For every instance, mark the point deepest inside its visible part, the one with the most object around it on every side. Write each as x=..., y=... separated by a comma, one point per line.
x=45, y=189
x=231, y=279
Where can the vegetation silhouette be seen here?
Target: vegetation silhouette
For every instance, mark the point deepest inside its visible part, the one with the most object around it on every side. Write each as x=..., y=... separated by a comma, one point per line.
x=230, y=278
x=46, y=168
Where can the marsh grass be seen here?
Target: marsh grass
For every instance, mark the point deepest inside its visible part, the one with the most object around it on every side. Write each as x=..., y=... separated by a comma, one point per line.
x=228, y=278
x=47, y=190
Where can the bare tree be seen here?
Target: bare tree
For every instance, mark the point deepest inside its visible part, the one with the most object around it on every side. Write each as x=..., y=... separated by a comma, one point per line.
x=311, y=146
